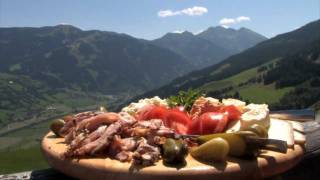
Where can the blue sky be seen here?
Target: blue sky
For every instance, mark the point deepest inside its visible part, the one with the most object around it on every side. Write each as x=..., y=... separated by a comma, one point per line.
x=151, y=19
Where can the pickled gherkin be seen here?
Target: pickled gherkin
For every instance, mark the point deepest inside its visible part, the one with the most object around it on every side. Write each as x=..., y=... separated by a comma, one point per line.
x=216, y=149
x=237, y=144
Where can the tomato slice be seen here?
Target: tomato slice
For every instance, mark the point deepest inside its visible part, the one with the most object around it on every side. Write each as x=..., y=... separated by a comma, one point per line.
x=208, y=123
x=177, y=120
x=232, y=111
x=223, y=122
x=194, y=128
x=152, y=112
x=180, y=109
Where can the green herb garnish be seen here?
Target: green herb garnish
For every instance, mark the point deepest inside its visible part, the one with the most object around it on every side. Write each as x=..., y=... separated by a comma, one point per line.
x=184, y=98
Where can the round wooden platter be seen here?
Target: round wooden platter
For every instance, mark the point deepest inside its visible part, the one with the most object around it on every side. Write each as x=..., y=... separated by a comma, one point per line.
x=268, y=164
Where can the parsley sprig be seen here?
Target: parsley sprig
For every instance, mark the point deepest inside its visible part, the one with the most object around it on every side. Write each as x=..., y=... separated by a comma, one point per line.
x=184, y=98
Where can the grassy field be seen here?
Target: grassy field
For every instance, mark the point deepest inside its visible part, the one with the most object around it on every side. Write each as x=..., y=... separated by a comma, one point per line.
x=262, y=94
x=20, y=160
x=20, y=150
x=235, y=80
x=254, y=92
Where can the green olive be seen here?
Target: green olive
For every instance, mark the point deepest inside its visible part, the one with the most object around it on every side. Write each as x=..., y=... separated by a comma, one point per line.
x=56, y=126
x=257, y=129
x=174, y=151
x=183, y=148
x=216, y=149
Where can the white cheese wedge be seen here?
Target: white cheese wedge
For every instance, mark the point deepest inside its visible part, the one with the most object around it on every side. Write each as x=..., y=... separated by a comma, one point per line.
x=255, y=114
x=235, y=102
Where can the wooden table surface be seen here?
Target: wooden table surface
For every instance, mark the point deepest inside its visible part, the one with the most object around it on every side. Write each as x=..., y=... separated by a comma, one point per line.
x=308, y=168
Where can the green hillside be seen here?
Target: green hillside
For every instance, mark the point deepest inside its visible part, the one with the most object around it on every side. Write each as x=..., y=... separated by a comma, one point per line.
x=237, y=79
x=251, y=91
x=262, y=93
x=23, y=98
x=20, y=150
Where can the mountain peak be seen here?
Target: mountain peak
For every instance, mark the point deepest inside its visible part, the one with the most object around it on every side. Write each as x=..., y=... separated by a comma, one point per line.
x=247, y=30
x=187, y=34
x=219, y=28
x=229, y=38
x=66, y=26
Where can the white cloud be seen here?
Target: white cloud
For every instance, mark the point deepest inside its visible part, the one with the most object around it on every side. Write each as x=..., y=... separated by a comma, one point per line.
x=167, y=13
x=194, y=11
x=178, y=31
x=226, y=22
x=243, y=18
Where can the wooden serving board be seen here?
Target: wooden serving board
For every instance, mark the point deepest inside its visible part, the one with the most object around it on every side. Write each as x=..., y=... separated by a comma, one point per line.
x=269, y=163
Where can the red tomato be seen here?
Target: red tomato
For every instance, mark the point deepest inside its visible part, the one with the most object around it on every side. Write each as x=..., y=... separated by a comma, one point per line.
x=152, y=112
x=177, y=120
x=208, y=123
x=233, y=112
x=194, y=128
x=180, y=109
x=222, y=124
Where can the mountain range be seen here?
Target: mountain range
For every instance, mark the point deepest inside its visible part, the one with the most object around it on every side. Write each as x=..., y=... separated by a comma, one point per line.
x=108, y=62
x=210, y=46
x=64, y=65
x=274, y=71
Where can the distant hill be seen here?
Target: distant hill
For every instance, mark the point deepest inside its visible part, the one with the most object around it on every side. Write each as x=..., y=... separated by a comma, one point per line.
x=231, y=39
x=63, y=66
x=108, y=62
x=260, y=73
x=210, y=46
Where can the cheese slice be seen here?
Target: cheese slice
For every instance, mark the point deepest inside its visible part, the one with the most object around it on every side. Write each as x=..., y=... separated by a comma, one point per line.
x=281, y=130
x=299, y=138
x=297, y=126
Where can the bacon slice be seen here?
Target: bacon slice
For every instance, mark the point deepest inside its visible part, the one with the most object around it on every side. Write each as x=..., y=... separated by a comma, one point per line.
x=203, y=105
